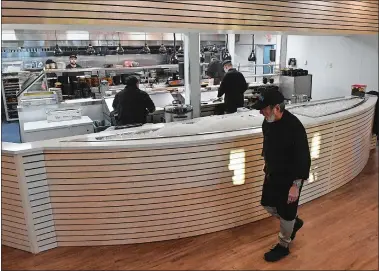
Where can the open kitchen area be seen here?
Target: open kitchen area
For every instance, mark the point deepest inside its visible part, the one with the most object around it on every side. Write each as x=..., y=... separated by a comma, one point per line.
x=41, y=94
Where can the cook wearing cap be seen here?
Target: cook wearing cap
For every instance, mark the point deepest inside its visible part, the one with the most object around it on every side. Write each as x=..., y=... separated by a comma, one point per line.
x=287, y=165
x=216, y=70
x=72, y=65
x=233, y=86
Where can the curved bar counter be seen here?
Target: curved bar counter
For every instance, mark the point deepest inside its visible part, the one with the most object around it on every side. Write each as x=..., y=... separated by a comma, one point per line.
x=107, y=188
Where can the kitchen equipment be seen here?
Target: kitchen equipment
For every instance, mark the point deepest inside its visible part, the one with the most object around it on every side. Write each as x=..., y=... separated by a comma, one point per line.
x=178, y=112
x=271, y=80
x=295, y=85
x=284, y=71
x=264, y=80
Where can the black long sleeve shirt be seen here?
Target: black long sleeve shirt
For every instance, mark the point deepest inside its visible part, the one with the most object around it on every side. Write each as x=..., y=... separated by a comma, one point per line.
x=285, y=148
x=233, y=86
x=216, y=70
x=132, y=106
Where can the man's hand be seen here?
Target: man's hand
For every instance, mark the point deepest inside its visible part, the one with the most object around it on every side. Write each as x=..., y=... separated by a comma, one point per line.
x=293, y=195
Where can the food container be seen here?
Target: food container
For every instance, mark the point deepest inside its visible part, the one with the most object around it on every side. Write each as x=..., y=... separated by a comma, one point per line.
x=358, y=90
x=88, y=80
x=94, y=81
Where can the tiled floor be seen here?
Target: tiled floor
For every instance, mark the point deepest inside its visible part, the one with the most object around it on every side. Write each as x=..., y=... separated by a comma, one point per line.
x=10, y=132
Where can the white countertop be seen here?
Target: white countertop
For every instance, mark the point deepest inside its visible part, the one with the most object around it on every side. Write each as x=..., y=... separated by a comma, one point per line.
x=203, y=130
x=45, y=125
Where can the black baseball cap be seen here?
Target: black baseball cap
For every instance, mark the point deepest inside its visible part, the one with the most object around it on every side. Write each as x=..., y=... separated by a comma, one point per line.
x=268, y=97
x=131, y=80
x=73, y=56
x=226, y=62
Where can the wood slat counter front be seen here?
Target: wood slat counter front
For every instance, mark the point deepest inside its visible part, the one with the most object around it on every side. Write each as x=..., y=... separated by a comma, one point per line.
x=84, y=193
x=345, y=17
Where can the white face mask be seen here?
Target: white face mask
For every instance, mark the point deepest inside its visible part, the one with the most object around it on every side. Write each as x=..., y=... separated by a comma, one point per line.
x=226, y=69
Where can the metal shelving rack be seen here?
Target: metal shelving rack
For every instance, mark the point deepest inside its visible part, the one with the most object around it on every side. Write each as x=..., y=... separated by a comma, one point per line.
x=10, y=87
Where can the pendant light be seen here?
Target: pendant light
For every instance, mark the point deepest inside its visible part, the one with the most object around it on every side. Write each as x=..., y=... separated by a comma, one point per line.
x=174, y=57
x=180, y=51
x=214, y=48
x=90, y=50
x=162, y=49
x=57, y=51
x=106, y=49
x=145, y=49
x=202, y=58
x=119, y=49
x=252, y=56
x=226, y=55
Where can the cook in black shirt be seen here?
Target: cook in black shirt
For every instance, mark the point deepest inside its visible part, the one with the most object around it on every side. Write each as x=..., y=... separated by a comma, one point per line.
x=233, y=86
x=287, y=164
x=73, y=64
x=132, y=104
x=69, y=80
x=216, y=70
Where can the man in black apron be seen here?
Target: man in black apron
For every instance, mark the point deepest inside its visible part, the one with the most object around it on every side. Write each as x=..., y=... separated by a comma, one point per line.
x=287, y=164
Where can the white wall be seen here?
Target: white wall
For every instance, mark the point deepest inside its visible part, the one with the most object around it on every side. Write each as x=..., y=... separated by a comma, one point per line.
x=336, y=62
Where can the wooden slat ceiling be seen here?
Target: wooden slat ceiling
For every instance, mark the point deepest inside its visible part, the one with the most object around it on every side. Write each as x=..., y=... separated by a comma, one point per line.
x=345, y=17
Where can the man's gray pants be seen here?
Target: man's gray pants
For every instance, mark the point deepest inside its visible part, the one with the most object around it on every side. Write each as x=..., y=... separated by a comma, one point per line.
x=286, y=227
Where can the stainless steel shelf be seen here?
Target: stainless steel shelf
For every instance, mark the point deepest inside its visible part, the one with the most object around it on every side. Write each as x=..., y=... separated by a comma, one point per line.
x=130, y=69
x=9, y=90
x=10, y=77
